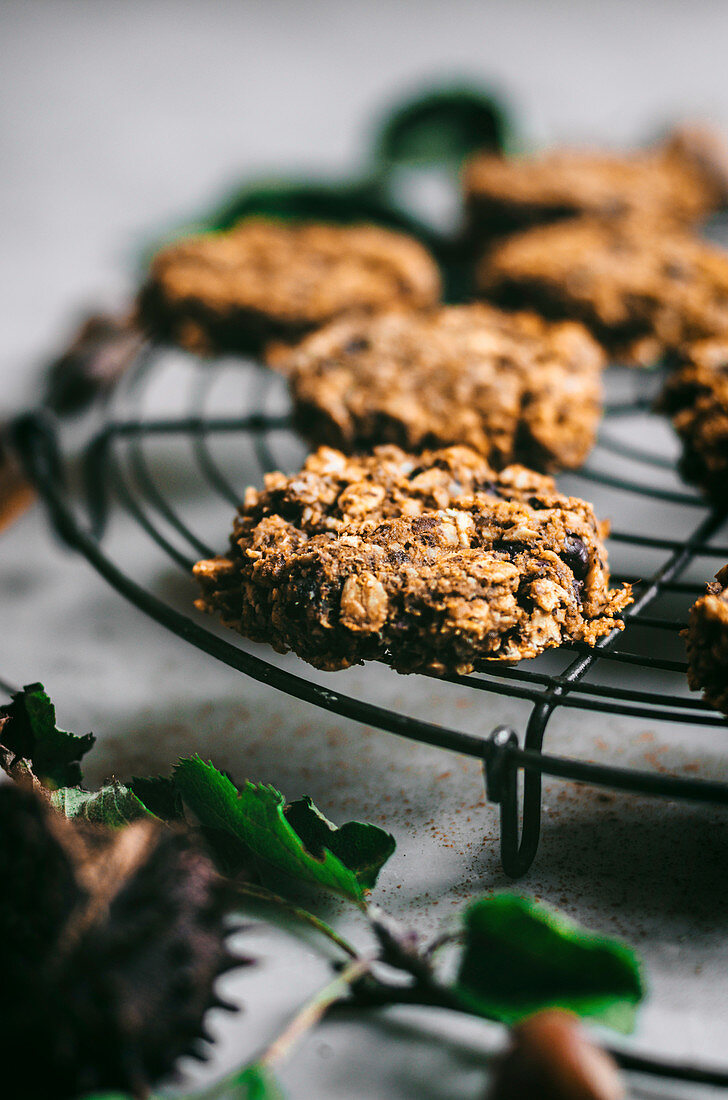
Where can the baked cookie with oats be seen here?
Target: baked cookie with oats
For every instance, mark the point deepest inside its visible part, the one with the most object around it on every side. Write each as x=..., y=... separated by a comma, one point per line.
x=270, y=280
x=429, y=562
x=706, y=640
x=514, y=387
x=695, y=396
x=681, y=181
x=641, y=287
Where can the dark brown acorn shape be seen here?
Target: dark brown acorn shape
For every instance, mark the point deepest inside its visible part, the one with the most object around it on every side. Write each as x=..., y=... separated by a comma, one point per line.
x=110, y=944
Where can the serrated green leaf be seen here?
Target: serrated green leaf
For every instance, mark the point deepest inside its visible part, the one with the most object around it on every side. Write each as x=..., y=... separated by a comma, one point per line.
x=113, y=805
x=30, y=732
x=256, y=1082
x=521, y=956
x=231, y=856
x=362, y=847
x=256, y=816
x=442, y=127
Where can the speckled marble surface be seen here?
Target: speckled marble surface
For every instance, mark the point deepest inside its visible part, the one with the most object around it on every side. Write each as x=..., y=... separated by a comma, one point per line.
x=117, y=117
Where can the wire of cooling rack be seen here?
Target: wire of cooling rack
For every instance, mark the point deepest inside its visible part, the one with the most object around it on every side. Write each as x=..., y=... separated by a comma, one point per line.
x=116, y=468
x=36, y=437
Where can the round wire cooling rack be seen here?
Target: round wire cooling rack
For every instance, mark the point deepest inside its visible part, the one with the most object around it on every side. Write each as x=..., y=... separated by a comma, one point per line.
x=665, y=540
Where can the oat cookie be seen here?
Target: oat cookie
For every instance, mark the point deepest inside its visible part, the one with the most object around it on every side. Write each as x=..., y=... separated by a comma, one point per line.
x=680, y=181
x=274, y=280
x=429, y=562
x=706, y=639
x=695, y=395
x=514, y=387
x=641, y=287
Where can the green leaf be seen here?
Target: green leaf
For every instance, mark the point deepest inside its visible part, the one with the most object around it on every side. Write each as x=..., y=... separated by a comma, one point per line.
x=29, y=731
x=362, y=847
x=113, y=805
x=108, y=1096
x=521, y=956
x=159, y=794
x=442, y=127
x=257, y=817
x=231, y=856
x=343, y=202
x=256, y=1082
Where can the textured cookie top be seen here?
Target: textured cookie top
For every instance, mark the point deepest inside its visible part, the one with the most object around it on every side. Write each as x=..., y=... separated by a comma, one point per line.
x=428, y=562
x=669, y=182
x=273, y=277
x=628, y=280
x=512, y=386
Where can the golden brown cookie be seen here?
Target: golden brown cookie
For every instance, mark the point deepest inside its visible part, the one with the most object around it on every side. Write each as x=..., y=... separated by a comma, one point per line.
x=706, y=639
x=639, y=286
x=514, y=387
x=268, y=280
x=428, y=562
x=680, y=182
x=695, y=395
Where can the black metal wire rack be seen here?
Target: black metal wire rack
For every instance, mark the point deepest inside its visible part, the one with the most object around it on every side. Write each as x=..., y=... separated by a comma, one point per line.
x=665, y=536
x=666, y=541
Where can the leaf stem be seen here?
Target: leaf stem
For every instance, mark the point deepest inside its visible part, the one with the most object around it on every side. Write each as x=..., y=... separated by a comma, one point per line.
x=379, y=994
x=260, y=893
x=441, y=941
x=314, y=1010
